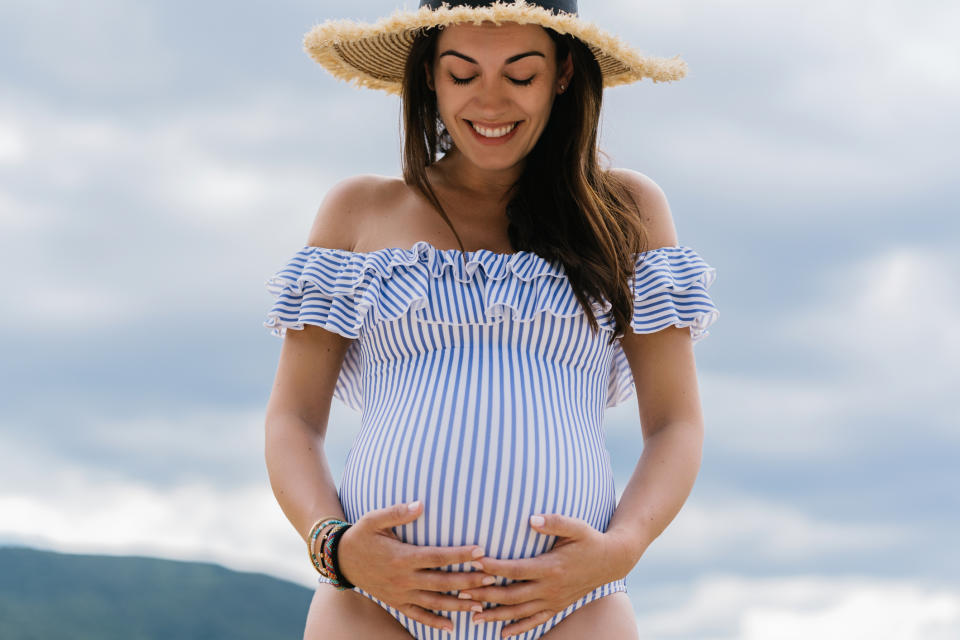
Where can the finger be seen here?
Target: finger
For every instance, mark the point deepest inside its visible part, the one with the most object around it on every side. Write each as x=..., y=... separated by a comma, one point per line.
x=436, y=602
x=526, y=624
x=395, y=515
x=541, y=566
x=430, y=556
x=511, y=612
x=510, y=594
x=440, y=580
x=426, y=617
x=557, y=524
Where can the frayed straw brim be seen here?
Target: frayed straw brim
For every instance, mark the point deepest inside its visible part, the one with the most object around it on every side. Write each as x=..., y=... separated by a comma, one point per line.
x=373, y=55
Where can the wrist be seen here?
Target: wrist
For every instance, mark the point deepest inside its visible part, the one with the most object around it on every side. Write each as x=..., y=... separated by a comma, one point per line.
x=625, y=549
x=321, y=541
x=332, y=554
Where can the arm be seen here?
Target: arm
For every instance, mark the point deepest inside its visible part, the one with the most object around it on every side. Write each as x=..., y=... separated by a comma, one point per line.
x=309, y=365
x=670, y=417
x=296, y=423
x=671, y=420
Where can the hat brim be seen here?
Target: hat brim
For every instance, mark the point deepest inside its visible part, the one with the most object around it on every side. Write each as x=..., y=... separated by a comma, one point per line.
x=373, y=55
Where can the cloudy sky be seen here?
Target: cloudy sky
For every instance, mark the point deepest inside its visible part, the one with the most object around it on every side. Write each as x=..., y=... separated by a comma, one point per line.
x=160, y=160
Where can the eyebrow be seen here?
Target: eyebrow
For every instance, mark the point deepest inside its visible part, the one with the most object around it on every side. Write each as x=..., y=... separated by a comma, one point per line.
x=451, y=52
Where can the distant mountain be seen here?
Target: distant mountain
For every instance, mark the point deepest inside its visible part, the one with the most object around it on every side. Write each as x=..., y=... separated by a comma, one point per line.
x=56, y=596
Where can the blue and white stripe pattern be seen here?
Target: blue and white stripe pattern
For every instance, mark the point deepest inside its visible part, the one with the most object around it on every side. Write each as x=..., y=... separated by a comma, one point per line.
x=482, y=389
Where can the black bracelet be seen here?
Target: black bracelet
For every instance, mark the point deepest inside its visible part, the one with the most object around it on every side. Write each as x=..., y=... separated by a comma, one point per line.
x=341, y=582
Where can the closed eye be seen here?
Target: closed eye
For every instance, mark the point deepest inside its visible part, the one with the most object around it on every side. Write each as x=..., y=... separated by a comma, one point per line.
x=523, y=83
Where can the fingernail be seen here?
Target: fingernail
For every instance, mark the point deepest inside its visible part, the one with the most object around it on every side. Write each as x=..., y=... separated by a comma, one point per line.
x=478, y=608
x=464, y=596
x=413, y=506
x=536, y=521
x=477, y=553
x=488, y=580
x=476, y=565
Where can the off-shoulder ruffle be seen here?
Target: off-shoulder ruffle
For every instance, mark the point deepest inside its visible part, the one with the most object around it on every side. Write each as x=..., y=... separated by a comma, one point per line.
x=343, y=291
x=669, y=289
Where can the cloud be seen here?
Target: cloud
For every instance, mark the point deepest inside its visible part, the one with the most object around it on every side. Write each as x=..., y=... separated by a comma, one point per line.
x=218, y=446
x=192, y=486
x=891, y=306
x=17, y=216
x=186, y=214
x=728, y=606
x=885, y=321
x=105, y=46
x=187, y=484
x=875, y=342
x=13, y=145
x=795, y=106
x=765, y=532
x=241, y=528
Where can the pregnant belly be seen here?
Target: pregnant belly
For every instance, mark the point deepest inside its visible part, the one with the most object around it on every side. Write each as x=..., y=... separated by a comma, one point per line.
x=481, y=481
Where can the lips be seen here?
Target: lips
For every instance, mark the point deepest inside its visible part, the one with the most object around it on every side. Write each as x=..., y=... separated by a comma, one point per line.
x=493, y=130
x=492, y=125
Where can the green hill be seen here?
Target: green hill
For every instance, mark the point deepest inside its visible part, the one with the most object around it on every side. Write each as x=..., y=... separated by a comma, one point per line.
x=52, y=596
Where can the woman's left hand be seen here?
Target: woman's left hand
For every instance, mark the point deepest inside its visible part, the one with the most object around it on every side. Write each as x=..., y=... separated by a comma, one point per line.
x=581, y=560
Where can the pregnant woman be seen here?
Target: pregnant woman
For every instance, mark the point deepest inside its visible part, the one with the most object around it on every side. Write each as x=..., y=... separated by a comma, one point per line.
x=481, y=313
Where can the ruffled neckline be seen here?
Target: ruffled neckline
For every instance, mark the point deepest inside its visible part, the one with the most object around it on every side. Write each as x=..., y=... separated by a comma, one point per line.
x=422, y=245
x=459, y=288
x=524, y=265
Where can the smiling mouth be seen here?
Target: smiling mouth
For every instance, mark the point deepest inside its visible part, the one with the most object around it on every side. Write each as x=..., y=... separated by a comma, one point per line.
x=493, y=132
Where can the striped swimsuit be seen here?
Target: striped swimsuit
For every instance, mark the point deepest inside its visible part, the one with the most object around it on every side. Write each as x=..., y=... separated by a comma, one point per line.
x=482, y=390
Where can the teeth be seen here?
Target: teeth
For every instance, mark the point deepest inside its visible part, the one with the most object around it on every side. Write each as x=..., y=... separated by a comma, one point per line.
x=493, y=133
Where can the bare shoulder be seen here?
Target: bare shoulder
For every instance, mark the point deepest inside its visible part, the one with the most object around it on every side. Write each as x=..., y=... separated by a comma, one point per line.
x=654, y=208
x=347, y=207
x=662, y=362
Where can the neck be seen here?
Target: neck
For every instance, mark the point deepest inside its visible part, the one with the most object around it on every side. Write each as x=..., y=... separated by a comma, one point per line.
x=487, y=184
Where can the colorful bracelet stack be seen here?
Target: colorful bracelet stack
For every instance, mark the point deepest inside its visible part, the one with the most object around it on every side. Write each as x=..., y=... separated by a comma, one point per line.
x=328, y=530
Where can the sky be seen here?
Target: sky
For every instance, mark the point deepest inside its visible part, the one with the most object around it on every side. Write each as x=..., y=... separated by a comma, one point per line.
x=160, y=160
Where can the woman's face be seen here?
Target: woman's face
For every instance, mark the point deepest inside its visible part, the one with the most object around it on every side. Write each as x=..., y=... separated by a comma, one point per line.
x=492, y=77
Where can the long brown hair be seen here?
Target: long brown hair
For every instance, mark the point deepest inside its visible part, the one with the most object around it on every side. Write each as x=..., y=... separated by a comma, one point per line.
x=564, y=206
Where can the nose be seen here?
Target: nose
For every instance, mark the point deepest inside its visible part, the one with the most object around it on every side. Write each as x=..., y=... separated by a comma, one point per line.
x=492, y=100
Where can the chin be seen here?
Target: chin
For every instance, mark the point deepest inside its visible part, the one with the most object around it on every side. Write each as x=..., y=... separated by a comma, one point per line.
x=489, y=164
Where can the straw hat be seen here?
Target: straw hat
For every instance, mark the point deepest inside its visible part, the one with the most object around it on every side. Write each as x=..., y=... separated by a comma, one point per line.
x=373, y=55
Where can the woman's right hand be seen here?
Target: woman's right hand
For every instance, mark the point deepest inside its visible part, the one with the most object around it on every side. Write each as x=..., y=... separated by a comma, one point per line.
x=405, y=576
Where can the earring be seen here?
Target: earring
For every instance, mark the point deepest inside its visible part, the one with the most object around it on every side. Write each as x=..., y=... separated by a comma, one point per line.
x=563, y=87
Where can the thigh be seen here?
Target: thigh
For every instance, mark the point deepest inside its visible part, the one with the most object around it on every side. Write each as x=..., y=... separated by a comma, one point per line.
x=347, y=615
x=610, y=617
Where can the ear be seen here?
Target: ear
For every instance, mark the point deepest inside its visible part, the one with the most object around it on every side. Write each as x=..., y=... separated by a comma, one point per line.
x=566, y=71
x=429, y=73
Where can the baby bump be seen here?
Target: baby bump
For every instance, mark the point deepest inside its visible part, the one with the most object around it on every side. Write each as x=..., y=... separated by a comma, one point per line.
x=481, y=481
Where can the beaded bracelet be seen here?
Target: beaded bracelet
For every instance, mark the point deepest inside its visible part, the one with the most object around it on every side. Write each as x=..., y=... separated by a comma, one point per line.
x=324, y=553
x=329, y=531
x=323, y=525
x=322, y=566
x=330, y=547
x=320, y=556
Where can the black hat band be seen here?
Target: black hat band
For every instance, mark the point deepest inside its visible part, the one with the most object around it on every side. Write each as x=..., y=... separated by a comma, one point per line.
x=567, y=6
